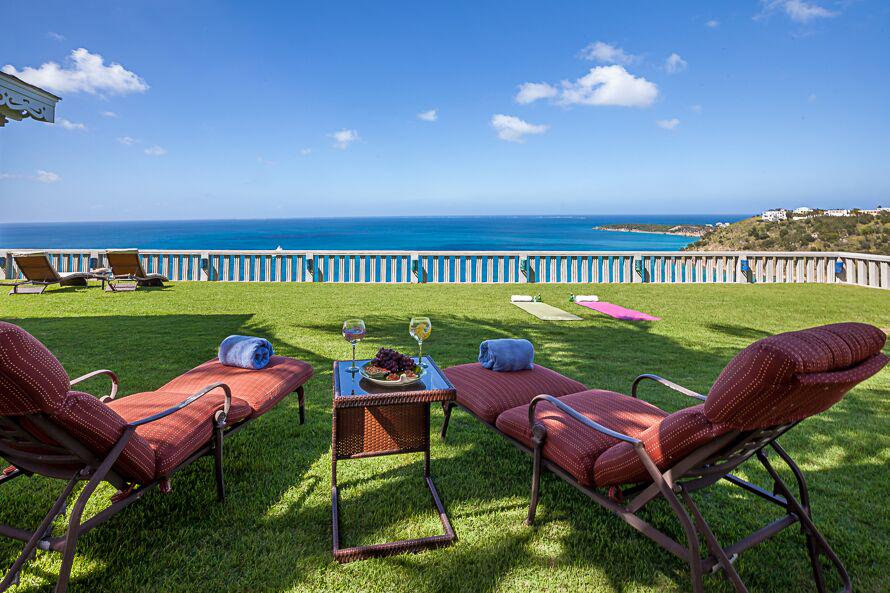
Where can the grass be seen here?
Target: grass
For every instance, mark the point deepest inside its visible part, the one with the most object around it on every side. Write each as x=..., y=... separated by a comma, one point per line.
x=273, y=533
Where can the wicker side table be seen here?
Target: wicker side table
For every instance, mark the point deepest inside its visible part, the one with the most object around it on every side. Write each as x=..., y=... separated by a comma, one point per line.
x=369, y=421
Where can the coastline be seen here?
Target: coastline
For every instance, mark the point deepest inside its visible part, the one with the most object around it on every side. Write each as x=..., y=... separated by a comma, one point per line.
x=632, y=230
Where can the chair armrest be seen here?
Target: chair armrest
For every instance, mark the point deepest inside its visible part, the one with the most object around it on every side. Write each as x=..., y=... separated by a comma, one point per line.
x=115, y=384
x=666, y=383
x=220, y=416
x=577, y=416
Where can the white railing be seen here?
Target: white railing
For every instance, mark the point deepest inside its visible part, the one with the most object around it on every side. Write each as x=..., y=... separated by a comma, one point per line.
x=490, y=267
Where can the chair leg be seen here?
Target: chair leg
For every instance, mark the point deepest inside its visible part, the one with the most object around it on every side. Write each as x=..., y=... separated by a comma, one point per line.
x=218, y=460
x=667, y=491
x=446, y=410
x=12, y=576
x=74, y=527
x=539, y=434
x=301, y=398
x=713, y=545
x=816, y=542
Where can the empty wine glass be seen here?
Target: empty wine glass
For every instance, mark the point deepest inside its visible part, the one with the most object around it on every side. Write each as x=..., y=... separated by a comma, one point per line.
x=353, y=332
x=420, y=329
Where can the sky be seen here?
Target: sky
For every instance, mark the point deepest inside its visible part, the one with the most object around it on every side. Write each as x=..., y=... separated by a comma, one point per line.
x=196, y=110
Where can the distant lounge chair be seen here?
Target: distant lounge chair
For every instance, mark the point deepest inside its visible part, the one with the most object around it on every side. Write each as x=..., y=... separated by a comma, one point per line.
x=134, y=443
x=624, y=453
x=39, y=273
x=127, y=273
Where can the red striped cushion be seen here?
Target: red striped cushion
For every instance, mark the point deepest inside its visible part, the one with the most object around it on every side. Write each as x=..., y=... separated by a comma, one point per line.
x=99, y=428
x=31, y=379
x=761, y=386
x=666, y=442
x=488, y=393
x=176, y=437
x=573, y=446
x=261, y=389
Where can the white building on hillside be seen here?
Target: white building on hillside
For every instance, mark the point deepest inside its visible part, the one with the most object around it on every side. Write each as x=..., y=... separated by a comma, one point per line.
x=879, y=210
x=773, y=215
x=837, y=213
x=803, y=210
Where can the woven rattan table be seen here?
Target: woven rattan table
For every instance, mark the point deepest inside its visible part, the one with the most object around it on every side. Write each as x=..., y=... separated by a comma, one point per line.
x=370, y=420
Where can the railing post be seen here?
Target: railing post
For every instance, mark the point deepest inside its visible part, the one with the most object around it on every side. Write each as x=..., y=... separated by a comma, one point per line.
x=204, y=267
x=416, y=269
x=309, y=262
x=743, y=272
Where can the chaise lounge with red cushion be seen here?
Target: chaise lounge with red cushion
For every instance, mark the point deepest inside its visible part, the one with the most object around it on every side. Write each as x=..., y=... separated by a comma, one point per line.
x=134, y=443
x=624, y=453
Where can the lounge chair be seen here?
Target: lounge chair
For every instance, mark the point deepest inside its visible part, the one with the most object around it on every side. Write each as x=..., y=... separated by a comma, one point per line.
x=624, y=453
x=39, y=273
x=135, y=443
x=127, y=273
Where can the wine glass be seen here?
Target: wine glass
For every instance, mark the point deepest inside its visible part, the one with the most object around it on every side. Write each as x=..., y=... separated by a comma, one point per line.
x=353, y=332
x=420, y=329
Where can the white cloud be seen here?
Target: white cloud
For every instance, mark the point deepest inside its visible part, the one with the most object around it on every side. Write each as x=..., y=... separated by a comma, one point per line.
x=609, y=85
x=46, y=176
x=111, y=114
x=811, y=98
x=712, y=24
x=344, y=138
x=530, y=92
x=127, y=140
x=668, y=124
x=513, y=129
x=7, y=176
x=70, y=125
x=83, y=72
x=695, y=108
x=305, y=151
x=675, y=64
x=56, y=36
x=605, y=53
x=155, y=151
x=798, y=11
x=431, y=115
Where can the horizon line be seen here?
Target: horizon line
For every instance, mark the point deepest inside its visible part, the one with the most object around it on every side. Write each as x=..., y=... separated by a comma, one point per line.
x=400, y=217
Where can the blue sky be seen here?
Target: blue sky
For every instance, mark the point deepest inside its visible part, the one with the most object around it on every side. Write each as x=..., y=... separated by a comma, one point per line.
x=236, y=110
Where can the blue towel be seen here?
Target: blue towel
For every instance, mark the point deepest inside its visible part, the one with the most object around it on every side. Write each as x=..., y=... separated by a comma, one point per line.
x=507, y=355
x=245, y=352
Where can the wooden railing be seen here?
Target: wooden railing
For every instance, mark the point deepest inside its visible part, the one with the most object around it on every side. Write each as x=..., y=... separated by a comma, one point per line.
x=490, y=267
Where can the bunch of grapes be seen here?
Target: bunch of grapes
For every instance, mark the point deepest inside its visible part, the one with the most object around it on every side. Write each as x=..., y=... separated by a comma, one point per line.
x=393, y=361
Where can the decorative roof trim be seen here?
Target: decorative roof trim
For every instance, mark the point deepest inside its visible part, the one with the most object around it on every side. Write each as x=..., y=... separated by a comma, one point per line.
x=19, y=100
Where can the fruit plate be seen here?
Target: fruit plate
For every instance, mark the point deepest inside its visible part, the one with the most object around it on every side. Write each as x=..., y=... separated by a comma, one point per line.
x=402, y=381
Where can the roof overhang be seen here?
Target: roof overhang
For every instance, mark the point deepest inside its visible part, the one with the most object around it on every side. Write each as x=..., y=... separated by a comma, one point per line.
x=19, y=100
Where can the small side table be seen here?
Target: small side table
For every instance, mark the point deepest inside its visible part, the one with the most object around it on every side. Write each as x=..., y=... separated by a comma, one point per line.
x=368, y=421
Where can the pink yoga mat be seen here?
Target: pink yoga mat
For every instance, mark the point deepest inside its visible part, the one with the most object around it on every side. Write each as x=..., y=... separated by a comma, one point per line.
x=619, y=312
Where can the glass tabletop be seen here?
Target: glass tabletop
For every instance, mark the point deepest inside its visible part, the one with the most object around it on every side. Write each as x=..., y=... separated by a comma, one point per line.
x=352, y=383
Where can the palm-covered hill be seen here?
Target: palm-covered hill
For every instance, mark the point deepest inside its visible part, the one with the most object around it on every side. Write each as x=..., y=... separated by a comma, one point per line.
x=861, y=233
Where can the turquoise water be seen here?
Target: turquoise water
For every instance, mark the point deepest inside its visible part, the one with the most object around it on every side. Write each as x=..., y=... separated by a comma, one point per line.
x=422, y=234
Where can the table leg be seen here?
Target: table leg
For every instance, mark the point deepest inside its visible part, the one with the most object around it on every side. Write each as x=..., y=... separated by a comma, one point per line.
x=343, y=555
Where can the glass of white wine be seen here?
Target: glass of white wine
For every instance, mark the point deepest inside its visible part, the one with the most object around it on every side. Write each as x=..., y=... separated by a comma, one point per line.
x=420, y=329
x=353, y=332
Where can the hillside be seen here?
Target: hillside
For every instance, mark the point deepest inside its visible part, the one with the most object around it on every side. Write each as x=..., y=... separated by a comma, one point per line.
x=861, y=233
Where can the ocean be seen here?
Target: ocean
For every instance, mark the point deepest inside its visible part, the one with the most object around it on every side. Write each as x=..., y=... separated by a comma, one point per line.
x=421, y=233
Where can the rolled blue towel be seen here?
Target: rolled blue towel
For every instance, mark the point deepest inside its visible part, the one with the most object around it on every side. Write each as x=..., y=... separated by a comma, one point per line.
x=507, y=355
x=245, y=352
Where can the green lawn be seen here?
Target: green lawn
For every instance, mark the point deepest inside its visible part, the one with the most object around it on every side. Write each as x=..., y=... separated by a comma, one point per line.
x=273, y=533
